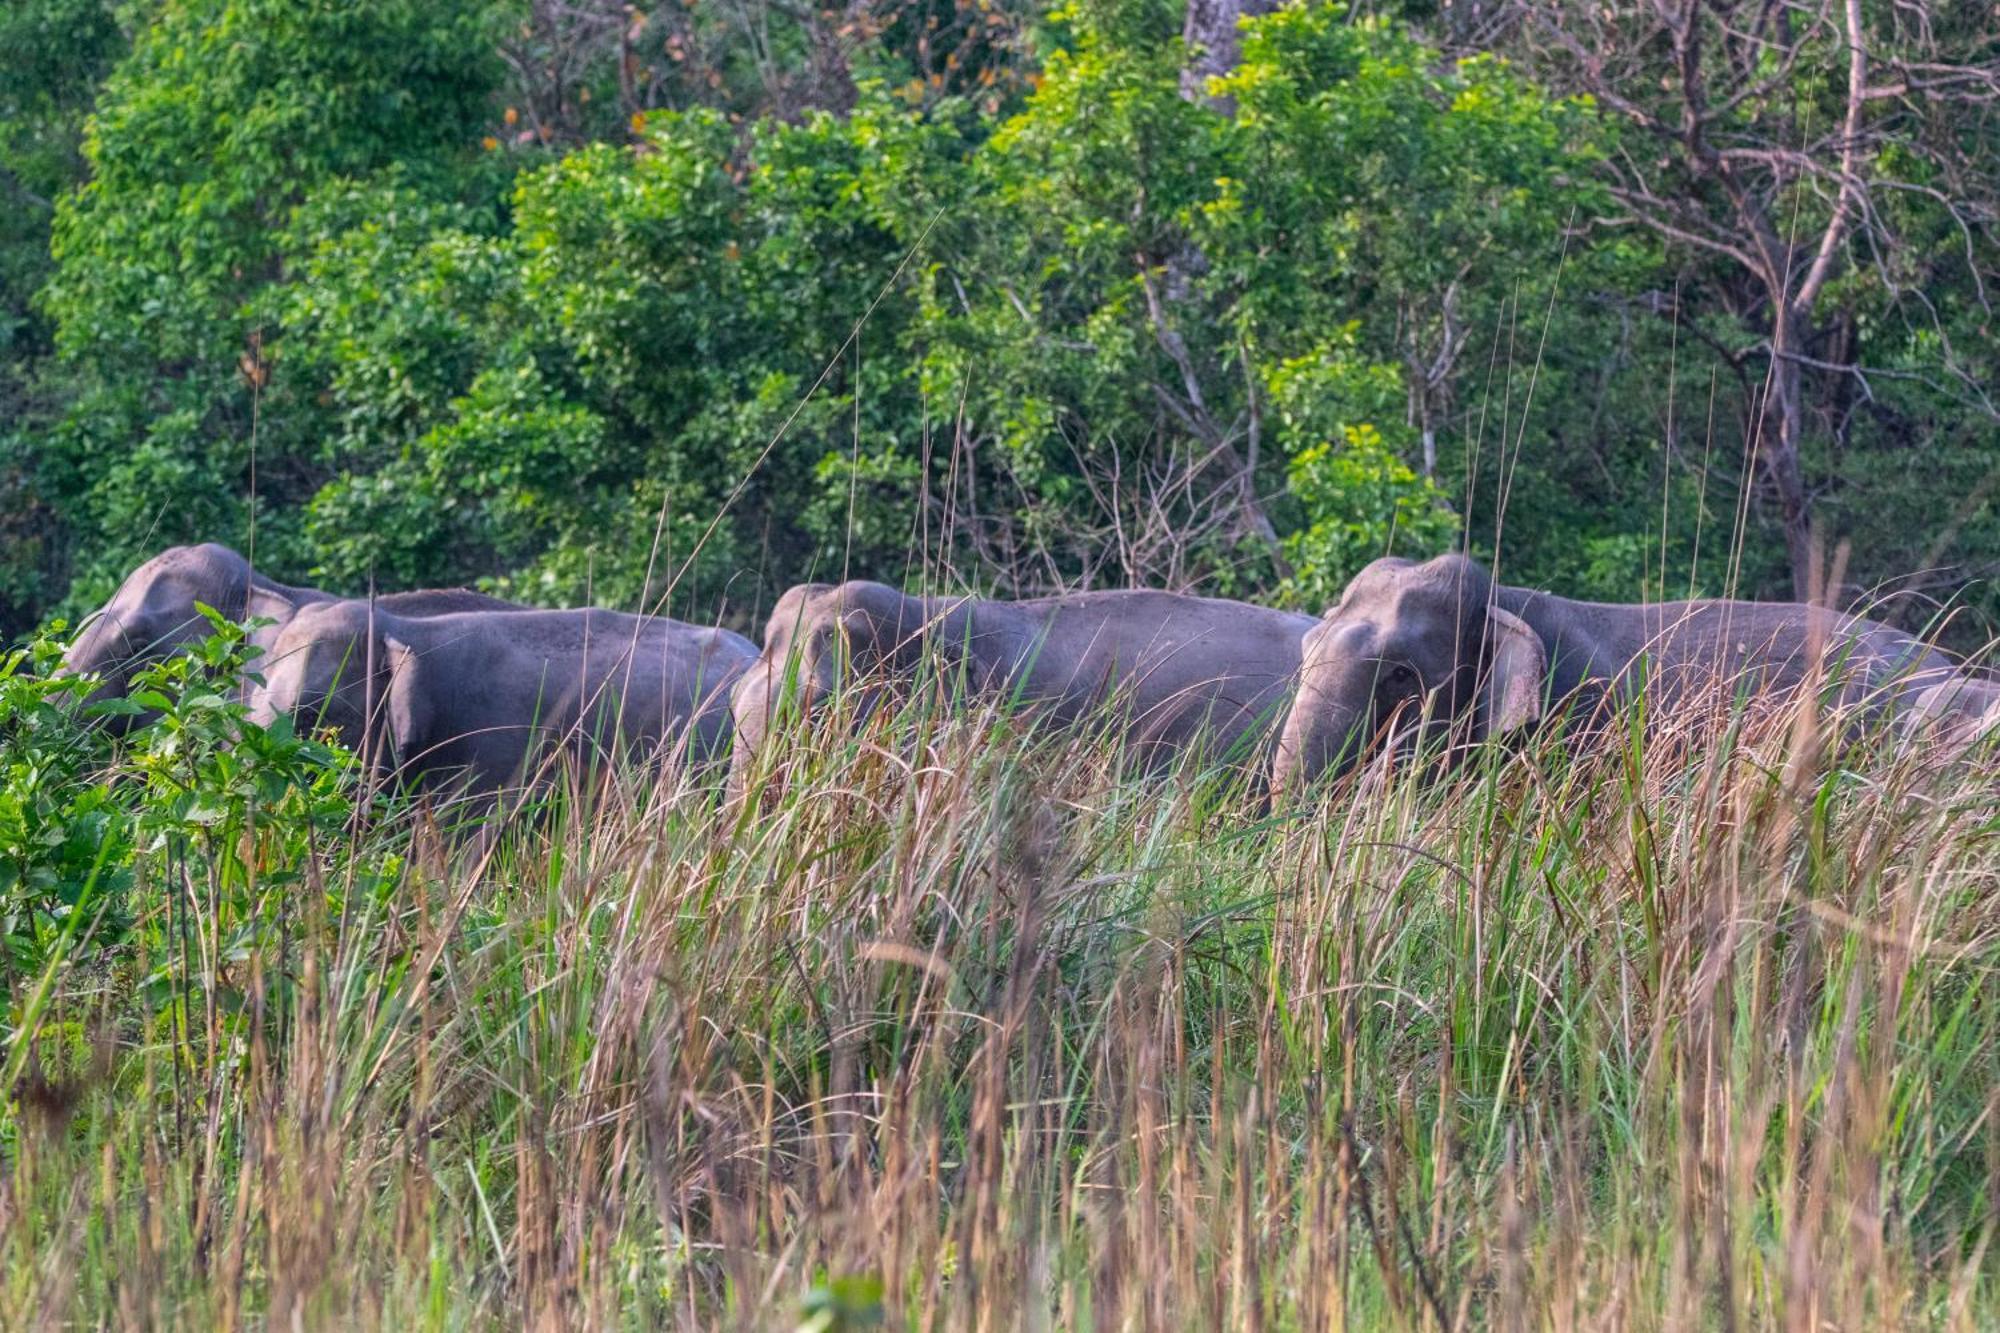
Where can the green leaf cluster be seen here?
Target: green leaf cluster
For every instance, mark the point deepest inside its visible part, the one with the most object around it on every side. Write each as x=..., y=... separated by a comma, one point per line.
x=83, y=816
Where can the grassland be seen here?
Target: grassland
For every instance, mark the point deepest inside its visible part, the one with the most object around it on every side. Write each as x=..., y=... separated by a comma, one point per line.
x=964, y=1028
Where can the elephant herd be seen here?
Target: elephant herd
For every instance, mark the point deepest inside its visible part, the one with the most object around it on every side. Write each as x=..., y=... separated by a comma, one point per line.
x=452, y=689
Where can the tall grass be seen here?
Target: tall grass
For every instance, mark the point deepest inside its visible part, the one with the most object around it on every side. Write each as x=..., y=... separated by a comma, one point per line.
x=972, y=1028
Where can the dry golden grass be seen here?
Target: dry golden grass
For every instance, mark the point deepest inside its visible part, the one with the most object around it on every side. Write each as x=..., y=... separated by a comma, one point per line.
x=1699, y=1031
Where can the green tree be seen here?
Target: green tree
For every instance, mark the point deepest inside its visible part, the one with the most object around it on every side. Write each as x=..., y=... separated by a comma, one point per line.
x=1361, y=501
x=223, y=117
x=649, y=364
x=1158, y=305
x=490, y=316
x=1823, y=172
x=58, y=51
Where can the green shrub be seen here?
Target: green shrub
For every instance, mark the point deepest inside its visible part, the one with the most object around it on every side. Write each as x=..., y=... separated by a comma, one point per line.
x=83, y=817
x=65, y=841
x=1361, y=501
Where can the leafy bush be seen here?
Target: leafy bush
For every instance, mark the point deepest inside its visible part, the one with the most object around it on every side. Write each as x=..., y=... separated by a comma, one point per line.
x=65, y=843
x=224, y=117
x=82, y=817
x=777, y=345
x=1361, y=501
x=352, y=259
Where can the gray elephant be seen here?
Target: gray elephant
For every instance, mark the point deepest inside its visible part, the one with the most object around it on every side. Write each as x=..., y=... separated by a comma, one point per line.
x=153, y=613
x=1176, y=672
x=473, y=699
x=1438, y=642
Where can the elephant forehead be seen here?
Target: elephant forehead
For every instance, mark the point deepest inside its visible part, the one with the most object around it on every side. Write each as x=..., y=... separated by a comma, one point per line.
x=104, y=638
x=1428, y=597
x=1337, y=640
x=1377, y=583
x=1384, y=569
x=109, y=620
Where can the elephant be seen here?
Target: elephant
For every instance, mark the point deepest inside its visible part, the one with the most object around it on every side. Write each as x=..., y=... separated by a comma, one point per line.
x=153, y=613
x=1442, y=642
x=1176, y=672
x=470, y=700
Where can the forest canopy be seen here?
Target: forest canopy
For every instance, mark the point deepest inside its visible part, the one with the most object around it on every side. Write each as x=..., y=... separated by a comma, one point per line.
x=575, y=300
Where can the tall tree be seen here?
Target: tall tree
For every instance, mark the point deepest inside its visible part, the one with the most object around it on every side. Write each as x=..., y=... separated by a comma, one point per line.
x=1783, y=139
x=58, y=52
x=222, y=119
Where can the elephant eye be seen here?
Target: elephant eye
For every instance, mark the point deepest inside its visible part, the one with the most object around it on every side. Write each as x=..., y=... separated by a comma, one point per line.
x=1397, y=674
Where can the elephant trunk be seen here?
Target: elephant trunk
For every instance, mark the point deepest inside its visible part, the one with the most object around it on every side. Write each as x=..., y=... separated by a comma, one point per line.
x=107, y=652
x=1320, y=736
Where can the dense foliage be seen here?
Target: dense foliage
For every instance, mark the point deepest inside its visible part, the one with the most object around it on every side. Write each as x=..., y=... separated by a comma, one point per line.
x=78, y=812
x=602, y=302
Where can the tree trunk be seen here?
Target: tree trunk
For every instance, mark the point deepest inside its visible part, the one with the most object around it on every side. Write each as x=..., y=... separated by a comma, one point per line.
x=1210, y=33
x=1783, y=434
x=1209, y=30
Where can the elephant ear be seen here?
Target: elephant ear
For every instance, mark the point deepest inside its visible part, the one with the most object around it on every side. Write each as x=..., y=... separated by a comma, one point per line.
x=408, y=711
x=1516, y=668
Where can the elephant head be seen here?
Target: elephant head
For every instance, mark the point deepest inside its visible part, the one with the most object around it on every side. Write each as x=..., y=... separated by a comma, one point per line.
x=342, y=666
x=1422, y=645
x=858, y=632
x=861, y=636
x=804, y=636
x=154, y=612
x=110, y=647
